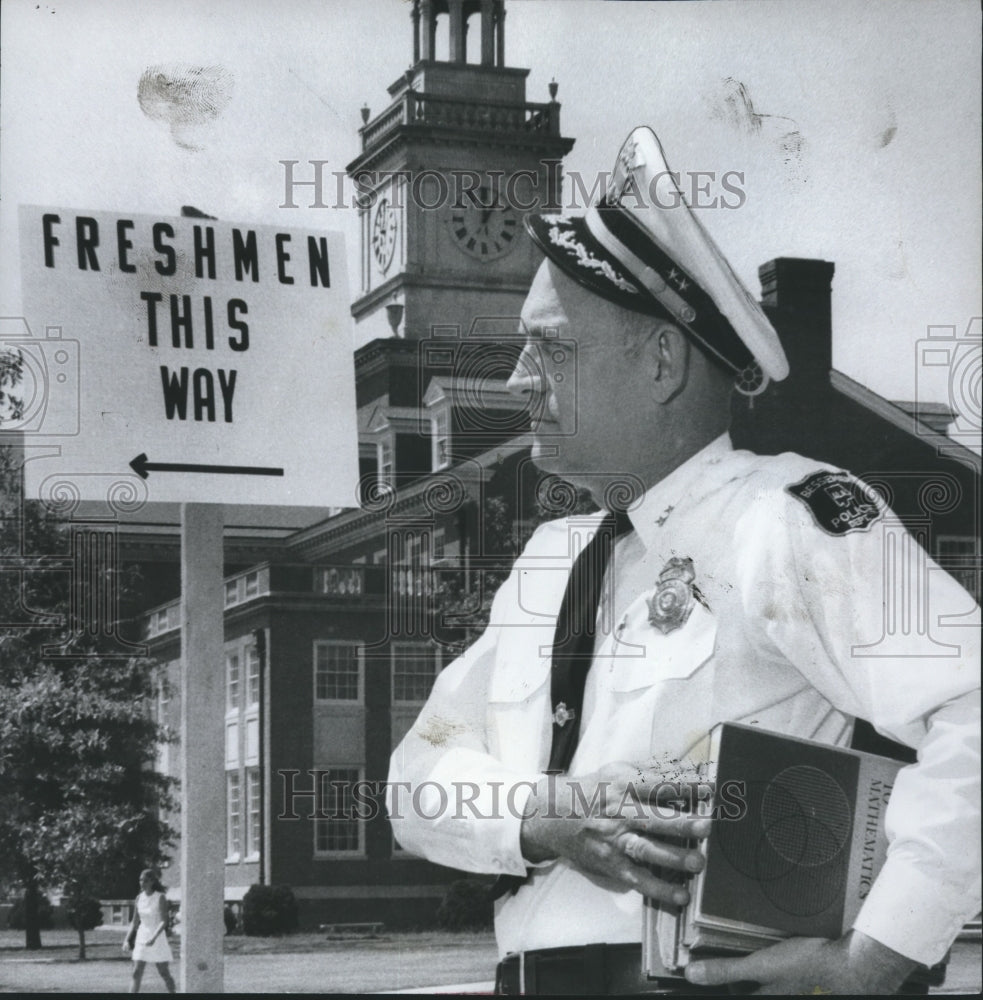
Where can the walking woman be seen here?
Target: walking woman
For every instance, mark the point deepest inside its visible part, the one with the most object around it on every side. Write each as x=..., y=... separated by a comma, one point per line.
x=147, y=936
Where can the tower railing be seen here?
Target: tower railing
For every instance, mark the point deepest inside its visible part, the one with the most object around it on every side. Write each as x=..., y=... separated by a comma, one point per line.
x=422, y=109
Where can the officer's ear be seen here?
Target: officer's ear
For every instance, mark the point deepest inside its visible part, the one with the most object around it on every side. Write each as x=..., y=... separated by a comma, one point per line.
x=668, y=361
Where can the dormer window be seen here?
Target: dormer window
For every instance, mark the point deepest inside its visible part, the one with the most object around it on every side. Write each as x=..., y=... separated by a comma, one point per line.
x=440, y=436
x=387, y=471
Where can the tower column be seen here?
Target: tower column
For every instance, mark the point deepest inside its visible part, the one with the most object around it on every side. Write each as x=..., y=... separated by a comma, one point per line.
x=458, y=28
x=487, y=33
x=500, y=26
x=416, y=31
x=429, y=29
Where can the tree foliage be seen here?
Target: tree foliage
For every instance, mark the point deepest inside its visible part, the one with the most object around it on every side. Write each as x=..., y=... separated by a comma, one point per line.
x=11, y=378
x=79, y=797
x=84, y=913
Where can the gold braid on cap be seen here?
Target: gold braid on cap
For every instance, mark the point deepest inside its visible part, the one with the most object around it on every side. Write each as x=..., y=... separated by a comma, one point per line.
x=569, y=242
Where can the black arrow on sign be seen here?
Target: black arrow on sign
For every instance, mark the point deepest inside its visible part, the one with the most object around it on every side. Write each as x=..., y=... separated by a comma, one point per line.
x=142, y=468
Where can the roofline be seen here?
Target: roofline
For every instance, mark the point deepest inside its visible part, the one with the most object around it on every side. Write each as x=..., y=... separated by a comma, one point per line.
x=907, y=422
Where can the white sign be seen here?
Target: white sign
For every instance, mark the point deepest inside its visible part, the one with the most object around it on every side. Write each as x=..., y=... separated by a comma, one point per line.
x=203, y=361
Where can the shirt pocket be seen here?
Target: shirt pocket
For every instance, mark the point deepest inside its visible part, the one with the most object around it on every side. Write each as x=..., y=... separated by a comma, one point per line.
x=644, y=656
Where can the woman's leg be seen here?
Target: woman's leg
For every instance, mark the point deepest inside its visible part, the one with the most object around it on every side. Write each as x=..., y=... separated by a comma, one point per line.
x=165, y=973
x=137, y=976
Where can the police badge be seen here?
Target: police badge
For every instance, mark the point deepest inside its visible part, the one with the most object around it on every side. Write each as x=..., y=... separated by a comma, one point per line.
x=672, y=603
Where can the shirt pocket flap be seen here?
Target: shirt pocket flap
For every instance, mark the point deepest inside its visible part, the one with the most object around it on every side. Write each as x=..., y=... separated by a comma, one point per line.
x=658, y=657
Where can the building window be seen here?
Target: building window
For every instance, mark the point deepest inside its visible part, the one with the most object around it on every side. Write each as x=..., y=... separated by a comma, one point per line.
x=440, y=436
x=233, y=815
x=252, y=811
x=337, y=671
x=252, y=675
x=386, y=468
x=231, y=681
x=958, y=555
x=414, y=670
x=231, y=592
x=252, y=584
x=341, y=830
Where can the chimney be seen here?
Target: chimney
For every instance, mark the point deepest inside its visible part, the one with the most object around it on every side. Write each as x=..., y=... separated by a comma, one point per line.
x=795, y=292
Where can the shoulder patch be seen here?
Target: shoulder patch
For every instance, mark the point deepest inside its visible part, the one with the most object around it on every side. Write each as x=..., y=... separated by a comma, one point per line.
x=838, y=503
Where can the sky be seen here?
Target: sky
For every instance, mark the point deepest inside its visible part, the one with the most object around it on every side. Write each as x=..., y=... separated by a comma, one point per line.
x=856, y=126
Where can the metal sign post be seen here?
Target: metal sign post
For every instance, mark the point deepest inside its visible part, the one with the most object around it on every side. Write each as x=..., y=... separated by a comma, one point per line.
x=203, y=750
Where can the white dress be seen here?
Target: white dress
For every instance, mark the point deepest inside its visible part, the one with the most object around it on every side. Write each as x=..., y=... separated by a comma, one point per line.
x=148, y=907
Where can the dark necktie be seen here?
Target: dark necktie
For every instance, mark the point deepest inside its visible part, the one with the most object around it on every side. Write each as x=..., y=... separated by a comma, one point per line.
x=573, y=640
x=573, y=652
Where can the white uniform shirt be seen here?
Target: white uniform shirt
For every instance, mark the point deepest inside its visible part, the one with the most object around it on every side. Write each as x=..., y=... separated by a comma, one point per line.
x=800, y=635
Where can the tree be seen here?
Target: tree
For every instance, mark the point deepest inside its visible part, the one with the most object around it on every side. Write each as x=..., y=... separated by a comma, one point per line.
x=11, y=376
x=79, y=797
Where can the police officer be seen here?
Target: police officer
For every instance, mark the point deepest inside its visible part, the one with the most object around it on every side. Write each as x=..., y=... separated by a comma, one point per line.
x=717, y=585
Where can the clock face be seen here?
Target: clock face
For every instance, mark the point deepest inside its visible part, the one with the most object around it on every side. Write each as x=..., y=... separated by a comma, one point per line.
x=384, y=234
x=486, y=229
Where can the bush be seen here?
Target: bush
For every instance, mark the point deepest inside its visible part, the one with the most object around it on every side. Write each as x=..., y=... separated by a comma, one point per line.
x=85, y=914
x=269, y=909
x=466, y=906
x=46, y=914
x=229, y=916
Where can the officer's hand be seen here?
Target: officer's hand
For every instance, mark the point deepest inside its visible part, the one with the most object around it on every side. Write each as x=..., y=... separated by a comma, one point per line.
x=615, y=824
x=856, y=965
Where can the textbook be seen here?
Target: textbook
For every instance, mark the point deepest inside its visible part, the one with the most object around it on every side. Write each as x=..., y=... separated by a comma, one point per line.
x=797, y=842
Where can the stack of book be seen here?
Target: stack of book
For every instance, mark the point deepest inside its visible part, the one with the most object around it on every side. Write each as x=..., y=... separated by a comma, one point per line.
x=797, y=842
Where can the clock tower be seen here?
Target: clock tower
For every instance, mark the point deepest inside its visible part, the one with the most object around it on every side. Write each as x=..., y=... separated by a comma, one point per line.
x=446, y=173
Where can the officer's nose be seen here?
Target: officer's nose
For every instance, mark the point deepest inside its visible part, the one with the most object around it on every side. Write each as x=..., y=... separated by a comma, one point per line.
x=527, y=378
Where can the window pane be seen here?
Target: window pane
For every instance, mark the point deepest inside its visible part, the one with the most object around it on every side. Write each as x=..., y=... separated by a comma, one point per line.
x=234, y=813
x=252, y=807
x=232, y=680
x=252, y=668
x=385, y=463
x=414, y=669
x=336, y=672
x=341, y=831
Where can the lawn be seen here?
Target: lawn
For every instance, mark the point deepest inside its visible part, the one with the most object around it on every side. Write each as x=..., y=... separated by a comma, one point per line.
x=301, y=963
